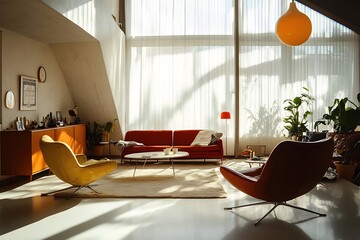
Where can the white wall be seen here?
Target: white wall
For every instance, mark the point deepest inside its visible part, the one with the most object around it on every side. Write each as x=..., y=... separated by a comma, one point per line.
x=23, y=56
x=84, y=68
x=98, y=67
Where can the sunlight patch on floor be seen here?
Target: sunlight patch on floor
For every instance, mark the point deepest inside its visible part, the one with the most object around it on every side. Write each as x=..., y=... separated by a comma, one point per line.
x=146, y=209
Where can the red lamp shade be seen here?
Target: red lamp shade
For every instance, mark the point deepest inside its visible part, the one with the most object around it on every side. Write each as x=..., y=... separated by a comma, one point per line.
x=225, y=115
x=293, y=28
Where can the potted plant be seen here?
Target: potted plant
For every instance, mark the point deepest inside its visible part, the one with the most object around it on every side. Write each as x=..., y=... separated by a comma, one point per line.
x=344, y=117
x=296, y=121
x=99, y=133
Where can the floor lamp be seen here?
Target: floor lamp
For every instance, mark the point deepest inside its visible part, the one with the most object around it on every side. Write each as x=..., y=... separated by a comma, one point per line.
x=226, y=116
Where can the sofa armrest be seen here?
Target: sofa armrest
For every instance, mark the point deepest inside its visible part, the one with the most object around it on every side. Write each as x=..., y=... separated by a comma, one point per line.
x=220, y=144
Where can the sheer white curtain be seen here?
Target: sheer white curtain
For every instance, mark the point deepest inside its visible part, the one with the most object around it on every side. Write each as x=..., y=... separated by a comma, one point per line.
x=181, y=66
x=270, y=72
x=180, y=61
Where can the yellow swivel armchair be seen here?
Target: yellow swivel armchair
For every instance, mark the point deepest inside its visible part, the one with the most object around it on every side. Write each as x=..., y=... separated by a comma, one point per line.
x=73, y=169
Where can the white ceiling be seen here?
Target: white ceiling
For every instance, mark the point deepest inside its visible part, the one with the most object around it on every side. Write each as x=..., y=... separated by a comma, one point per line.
x=36, y=20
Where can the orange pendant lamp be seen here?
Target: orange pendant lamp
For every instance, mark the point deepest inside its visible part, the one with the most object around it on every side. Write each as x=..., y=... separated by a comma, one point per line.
x=293, y=28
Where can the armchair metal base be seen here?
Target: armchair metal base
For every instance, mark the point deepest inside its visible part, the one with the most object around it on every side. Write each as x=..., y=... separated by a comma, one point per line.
x=64, y=189
x=276, y=204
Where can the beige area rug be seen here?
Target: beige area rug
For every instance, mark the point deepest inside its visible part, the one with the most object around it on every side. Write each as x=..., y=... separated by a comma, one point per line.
x=157, y=181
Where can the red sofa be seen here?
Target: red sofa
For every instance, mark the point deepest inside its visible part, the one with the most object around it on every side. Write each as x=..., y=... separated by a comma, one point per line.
x=157, y=140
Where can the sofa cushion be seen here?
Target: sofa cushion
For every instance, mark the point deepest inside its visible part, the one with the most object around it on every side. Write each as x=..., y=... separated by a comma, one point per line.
x=202, y=152
x=150, y=137
x=198, y=148
x=184, y=137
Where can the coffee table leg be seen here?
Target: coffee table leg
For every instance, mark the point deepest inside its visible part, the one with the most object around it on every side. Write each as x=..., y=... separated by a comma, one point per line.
x=135, y=167
x=172, y=163
x=144, y=163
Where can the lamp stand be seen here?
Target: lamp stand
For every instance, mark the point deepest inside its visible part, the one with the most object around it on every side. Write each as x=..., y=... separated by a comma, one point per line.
x=226, y=137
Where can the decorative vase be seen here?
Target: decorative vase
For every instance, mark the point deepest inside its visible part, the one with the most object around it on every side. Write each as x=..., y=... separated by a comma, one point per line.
x=105, y=137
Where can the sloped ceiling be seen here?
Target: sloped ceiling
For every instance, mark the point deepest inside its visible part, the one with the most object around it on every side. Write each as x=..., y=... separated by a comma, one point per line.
x=346, y=12
x=34, y=19
x=78, y=53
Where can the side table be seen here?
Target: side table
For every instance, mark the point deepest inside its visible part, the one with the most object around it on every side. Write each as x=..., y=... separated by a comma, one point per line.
x=260, y=161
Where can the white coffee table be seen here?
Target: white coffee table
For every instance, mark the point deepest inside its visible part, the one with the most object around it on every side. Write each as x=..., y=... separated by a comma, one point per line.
x=157, y=156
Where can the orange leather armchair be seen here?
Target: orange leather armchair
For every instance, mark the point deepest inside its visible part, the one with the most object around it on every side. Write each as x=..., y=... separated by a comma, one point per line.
x=75, y=170
x=292, y=169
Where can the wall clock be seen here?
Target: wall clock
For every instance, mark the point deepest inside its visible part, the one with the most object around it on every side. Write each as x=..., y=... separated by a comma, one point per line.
x=41, y=74
x=9, y=99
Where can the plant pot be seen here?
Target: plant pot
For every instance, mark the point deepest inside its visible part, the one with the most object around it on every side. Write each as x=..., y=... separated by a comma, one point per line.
x=105, y=137
x=345, y=171
x=98, y=150
x=339, y=141
x=296, y=138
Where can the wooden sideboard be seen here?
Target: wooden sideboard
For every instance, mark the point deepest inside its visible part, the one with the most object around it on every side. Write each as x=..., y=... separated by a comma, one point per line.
x=20, y=150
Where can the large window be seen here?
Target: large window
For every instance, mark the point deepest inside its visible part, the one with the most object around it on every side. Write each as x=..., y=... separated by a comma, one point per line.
x=270, y=72
x=180, y=57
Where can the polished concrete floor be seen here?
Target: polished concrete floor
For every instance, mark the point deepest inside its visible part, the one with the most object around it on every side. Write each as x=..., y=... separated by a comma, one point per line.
x=24, y=214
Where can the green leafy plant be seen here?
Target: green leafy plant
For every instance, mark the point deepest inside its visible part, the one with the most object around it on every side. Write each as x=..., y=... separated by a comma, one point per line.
x=95, y=136
x=295, y=122
x=342, y=117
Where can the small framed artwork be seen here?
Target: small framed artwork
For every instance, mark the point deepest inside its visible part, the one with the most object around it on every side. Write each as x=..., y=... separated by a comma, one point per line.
x=20, y=126
x=41, y=74
x=28, y=93
x=10, y=99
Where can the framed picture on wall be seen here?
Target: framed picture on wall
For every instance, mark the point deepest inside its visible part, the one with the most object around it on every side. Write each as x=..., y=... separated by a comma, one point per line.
x=28, y=93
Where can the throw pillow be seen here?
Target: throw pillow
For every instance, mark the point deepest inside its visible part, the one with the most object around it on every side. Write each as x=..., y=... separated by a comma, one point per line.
x=215, y=137
x=203, y=138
